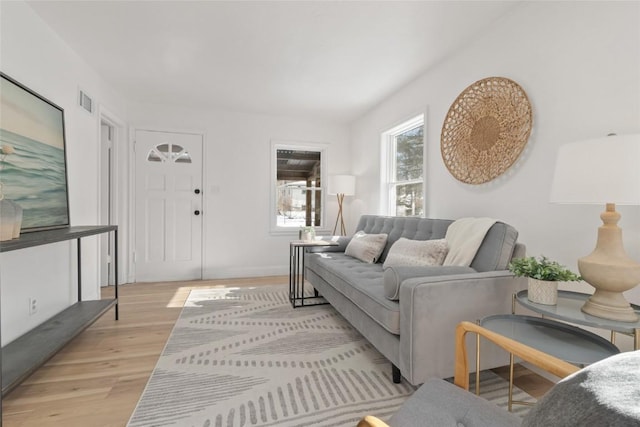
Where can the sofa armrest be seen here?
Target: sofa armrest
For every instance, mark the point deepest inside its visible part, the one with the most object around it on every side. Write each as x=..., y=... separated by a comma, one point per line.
x=432, y=307
x=341, y=240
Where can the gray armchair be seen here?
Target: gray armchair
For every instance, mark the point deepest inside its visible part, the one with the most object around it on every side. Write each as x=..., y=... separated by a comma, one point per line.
x=603, y=394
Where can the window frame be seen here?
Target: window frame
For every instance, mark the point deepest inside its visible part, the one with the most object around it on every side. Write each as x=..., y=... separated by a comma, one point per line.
x=388, y=163
x=320, y=147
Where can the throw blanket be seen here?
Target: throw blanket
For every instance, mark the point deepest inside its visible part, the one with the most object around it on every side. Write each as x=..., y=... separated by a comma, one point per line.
x=605, y=393
x=464, y=237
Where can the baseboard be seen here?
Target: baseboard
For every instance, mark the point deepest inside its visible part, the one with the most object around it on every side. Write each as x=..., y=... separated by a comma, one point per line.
x=237, y=272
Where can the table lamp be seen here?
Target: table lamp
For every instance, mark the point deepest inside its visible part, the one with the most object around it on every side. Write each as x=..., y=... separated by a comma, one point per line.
x=603, y=171
x=341, y=185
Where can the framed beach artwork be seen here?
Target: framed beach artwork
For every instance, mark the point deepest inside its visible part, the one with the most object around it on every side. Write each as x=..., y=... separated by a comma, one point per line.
x=33, y=172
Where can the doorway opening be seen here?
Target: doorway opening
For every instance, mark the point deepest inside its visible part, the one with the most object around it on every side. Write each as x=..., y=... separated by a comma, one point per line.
x=107, y=198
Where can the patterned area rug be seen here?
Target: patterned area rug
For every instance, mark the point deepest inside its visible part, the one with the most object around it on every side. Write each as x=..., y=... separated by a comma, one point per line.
x=244, y=357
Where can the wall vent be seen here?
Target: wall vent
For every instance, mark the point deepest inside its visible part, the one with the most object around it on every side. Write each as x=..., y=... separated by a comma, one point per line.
x=85, y=101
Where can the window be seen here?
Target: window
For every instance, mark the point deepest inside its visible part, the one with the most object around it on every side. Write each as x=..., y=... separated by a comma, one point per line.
x=403, y=177
x=298, y=196
x=169, y=153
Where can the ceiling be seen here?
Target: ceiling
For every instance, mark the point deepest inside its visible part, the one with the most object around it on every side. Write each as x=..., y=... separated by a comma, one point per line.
x=330, y=60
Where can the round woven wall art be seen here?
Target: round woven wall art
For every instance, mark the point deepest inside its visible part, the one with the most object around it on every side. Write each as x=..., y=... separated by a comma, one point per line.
x=485, y=130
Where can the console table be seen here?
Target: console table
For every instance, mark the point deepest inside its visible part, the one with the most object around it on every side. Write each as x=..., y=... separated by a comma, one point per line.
x=569, y=307
x=21, y=357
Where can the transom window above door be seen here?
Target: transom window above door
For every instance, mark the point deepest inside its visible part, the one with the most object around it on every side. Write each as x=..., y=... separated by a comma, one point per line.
x=168, y=152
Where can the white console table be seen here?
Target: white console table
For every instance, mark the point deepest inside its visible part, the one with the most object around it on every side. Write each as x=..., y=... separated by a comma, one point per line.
x=21, y=357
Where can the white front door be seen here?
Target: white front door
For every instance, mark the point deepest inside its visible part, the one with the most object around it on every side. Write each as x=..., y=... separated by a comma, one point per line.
x=168, y=206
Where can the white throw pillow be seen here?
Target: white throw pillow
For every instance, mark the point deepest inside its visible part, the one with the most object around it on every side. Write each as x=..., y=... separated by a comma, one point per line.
x=366, y=247
x=407, y=252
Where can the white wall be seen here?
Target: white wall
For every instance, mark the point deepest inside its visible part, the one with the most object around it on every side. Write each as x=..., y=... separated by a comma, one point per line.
x=579, y=63
x=35, y=56
x=237, y=181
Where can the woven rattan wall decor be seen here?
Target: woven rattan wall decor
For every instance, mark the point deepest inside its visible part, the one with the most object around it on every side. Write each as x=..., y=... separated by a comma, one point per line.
x=485, y=130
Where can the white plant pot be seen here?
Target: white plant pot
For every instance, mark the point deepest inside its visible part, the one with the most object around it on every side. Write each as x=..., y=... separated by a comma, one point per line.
x=543, y=292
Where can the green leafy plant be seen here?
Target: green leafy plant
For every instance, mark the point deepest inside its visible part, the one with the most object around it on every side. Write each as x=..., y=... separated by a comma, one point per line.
x=542, y=269
x=307, y=233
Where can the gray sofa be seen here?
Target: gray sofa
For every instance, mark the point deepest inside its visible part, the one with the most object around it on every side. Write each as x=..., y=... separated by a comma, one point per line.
x=415, y=331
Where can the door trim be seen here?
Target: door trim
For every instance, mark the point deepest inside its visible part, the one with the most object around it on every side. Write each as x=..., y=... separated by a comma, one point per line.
x=120, y=191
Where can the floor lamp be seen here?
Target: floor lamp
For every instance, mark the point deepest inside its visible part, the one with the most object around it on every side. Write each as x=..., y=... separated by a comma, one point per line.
x=603, y=171
x=341, y=185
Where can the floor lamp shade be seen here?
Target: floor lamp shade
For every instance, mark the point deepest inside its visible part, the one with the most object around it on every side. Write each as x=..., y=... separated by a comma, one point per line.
x=603, y=171
x=341, y=185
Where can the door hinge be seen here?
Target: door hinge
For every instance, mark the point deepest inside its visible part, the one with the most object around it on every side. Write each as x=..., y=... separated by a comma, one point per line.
x=134, y=146
x=135, y=257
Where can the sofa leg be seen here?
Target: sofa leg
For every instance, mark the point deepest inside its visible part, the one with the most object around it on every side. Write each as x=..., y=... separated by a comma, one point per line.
x=395, y=374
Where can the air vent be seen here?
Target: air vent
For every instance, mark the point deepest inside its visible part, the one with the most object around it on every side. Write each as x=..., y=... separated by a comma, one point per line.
x=85, y=101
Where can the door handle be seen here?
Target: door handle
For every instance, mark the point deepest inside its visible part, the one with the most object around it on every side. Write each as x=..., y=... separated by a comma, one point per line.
x=197, y=191
x=197, y=212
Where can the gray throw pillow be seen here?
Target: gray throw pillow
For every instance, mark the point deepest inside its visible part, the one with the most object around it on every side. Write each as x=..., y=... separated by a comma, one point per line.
x=366, y=247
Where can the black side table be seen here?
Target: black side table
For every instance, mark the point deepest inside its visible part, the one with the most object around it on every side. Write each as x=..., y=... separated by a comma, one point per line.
x=297, y=296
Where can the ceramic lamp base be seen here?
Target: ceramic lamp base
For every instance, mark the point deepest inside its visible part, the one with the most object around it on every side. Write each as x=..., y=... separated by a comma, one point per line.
x=610, y=305
x=610, y=271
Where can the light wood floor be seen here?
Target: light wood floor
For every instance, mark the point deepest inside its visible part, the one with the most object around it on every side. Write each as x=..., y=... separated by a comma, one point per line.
x=97, y=379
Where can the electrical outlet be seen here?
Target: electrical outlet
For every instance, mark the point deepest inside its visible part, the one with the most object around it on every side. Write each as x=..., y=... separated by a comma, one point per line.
x=33, y=306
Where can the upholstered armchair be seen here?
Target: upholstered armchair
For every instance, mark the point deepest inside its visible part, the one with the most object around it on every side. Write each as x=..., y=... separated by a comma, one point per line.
x=606, y=393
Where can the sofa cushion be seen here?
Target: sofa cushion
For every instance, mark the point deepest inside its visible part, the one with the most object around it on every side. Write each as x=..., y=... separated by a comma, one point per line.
x=394, y=276
x=496, y=249
x=409, y=227
x=406, y=252
x=360, y=282
x=494, y=253
x=366, y=247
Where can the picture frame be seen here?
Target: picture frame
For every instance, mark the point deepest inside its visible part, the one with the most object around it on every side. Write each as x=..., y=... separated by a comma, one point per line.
x=33, y=157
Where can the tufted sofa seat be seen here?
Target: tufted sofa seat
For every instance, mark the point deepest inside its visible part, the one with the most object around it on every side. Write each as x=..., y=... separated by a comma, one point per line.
x=413, y=329
x=361, y=283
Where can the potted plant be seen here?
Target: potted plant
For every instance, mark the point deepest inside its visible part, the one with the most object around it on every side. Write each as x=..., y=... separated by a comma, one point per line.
x=307, y=234
x=544, y=276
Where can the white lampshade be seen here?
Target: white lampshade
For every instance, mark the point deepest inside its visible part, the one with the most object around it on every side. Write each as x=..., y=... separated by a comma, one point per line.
x=342, y=184
x=603, y=171
x=598, y=171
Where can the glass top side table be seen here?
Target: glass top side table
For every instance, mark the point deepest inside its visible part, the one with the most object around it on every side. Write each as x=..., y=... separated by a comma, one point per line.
x=568, y=309
x=566, y=342
x=297, y=296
